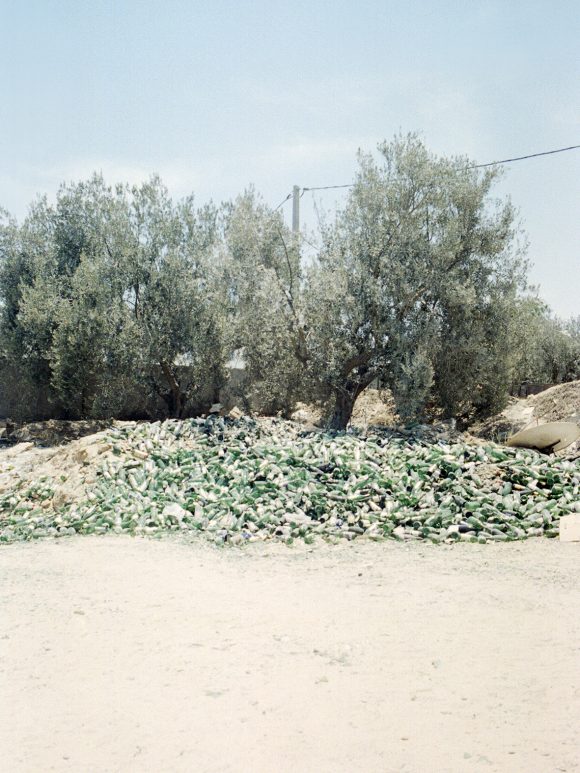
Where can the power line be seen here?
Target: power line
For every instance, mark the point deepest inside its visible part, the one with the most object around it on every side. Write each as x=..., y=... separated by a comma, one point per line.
x=289, y=196
x=522, y=158
x=327, y=187
x=473, y=166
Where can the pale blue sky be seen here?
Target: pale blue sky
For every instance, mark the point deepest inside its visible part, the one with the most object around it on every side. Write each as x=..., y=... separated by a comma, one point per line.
x=217, y=95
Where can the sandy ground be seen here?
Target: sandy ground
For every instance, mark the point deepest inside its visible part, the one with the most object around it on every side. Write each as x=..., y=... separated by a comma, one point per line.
x=121, y=654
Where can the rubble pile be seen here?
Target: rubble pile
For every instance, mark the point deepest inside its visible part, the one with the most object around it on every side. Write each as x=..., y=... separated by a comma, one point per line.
x=243, y=480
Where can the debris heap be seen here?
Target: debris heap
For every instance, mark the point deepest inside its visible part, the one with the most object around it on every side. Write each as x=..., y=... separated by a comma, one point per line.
x=245, y=480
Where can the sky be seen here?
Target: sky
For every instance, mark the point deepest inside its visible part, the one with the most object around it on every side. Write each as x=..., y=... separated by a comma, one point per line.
x=217, y=95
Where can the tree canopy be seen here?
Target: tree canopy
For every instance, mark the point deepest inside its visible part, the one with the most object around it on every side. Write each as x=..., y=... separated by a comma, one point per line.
x=413, y=283
x=111, y=298
x=119, y=301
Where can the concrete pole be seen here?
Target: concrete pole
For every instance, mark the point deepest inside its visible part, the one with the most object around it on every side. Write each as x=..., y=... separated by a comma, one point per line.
x=296, y=210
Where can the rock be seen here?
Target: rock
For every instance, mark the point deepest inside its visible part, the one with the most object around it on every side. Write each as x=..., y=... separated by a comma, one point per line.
x=81, y=456
x=215, y=408
x=550, y=437
x=61, y=497
x=570, y=528
x=87, y=453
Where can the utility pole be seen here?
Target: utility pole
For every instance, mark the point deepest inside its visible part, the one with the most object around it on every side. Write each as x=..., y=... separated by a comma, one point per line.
x=296, y=210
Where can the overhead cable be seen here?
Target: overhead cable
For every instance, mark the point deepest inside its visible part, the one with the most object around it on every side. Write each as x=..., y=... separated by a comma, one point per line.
x=473, y=166
x=289, y=196
x=522, y=158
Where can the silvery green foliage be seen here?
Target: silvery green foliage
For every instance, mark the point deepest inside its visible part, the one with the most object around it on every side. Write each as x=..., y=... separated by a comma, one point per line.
x=112, y=303
x=474, y=359
x=175, y=296
x=24, y=371
x=417, y=248
x=545, y=349
x=119, y=300
x=413, y=383
x=561, y=350
x=262, y=266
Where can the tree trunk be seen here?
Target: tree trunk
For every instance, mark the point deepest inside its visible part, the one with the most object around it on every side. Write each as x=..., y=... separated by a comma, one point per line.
x=175, y=401
x=345, y=399
x=343, y=406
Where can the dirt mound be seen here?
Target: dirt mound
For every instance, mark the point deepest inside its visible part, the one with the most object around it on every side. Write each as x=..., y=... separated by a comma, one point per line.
x=54, y=432
x=62, y=473
x=559, y=403
x=373, y=408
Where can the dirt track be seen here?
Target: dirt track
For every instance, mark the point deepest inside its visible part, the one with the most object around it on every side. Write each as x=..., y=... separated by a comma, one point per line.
x=122, y=654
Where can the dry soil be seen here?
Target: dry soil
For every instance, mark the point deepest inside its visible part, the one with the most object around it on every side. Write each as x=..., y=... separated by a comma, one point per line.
x=130, y=655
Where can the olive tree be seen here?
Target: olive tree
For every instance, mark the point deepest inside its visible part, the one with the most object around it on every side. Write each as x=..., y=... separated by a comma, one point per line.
x=176, y=300
x=263, y=275
x=112, y=294
x=25, y=372
x=544, y=348
x=419, y=267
